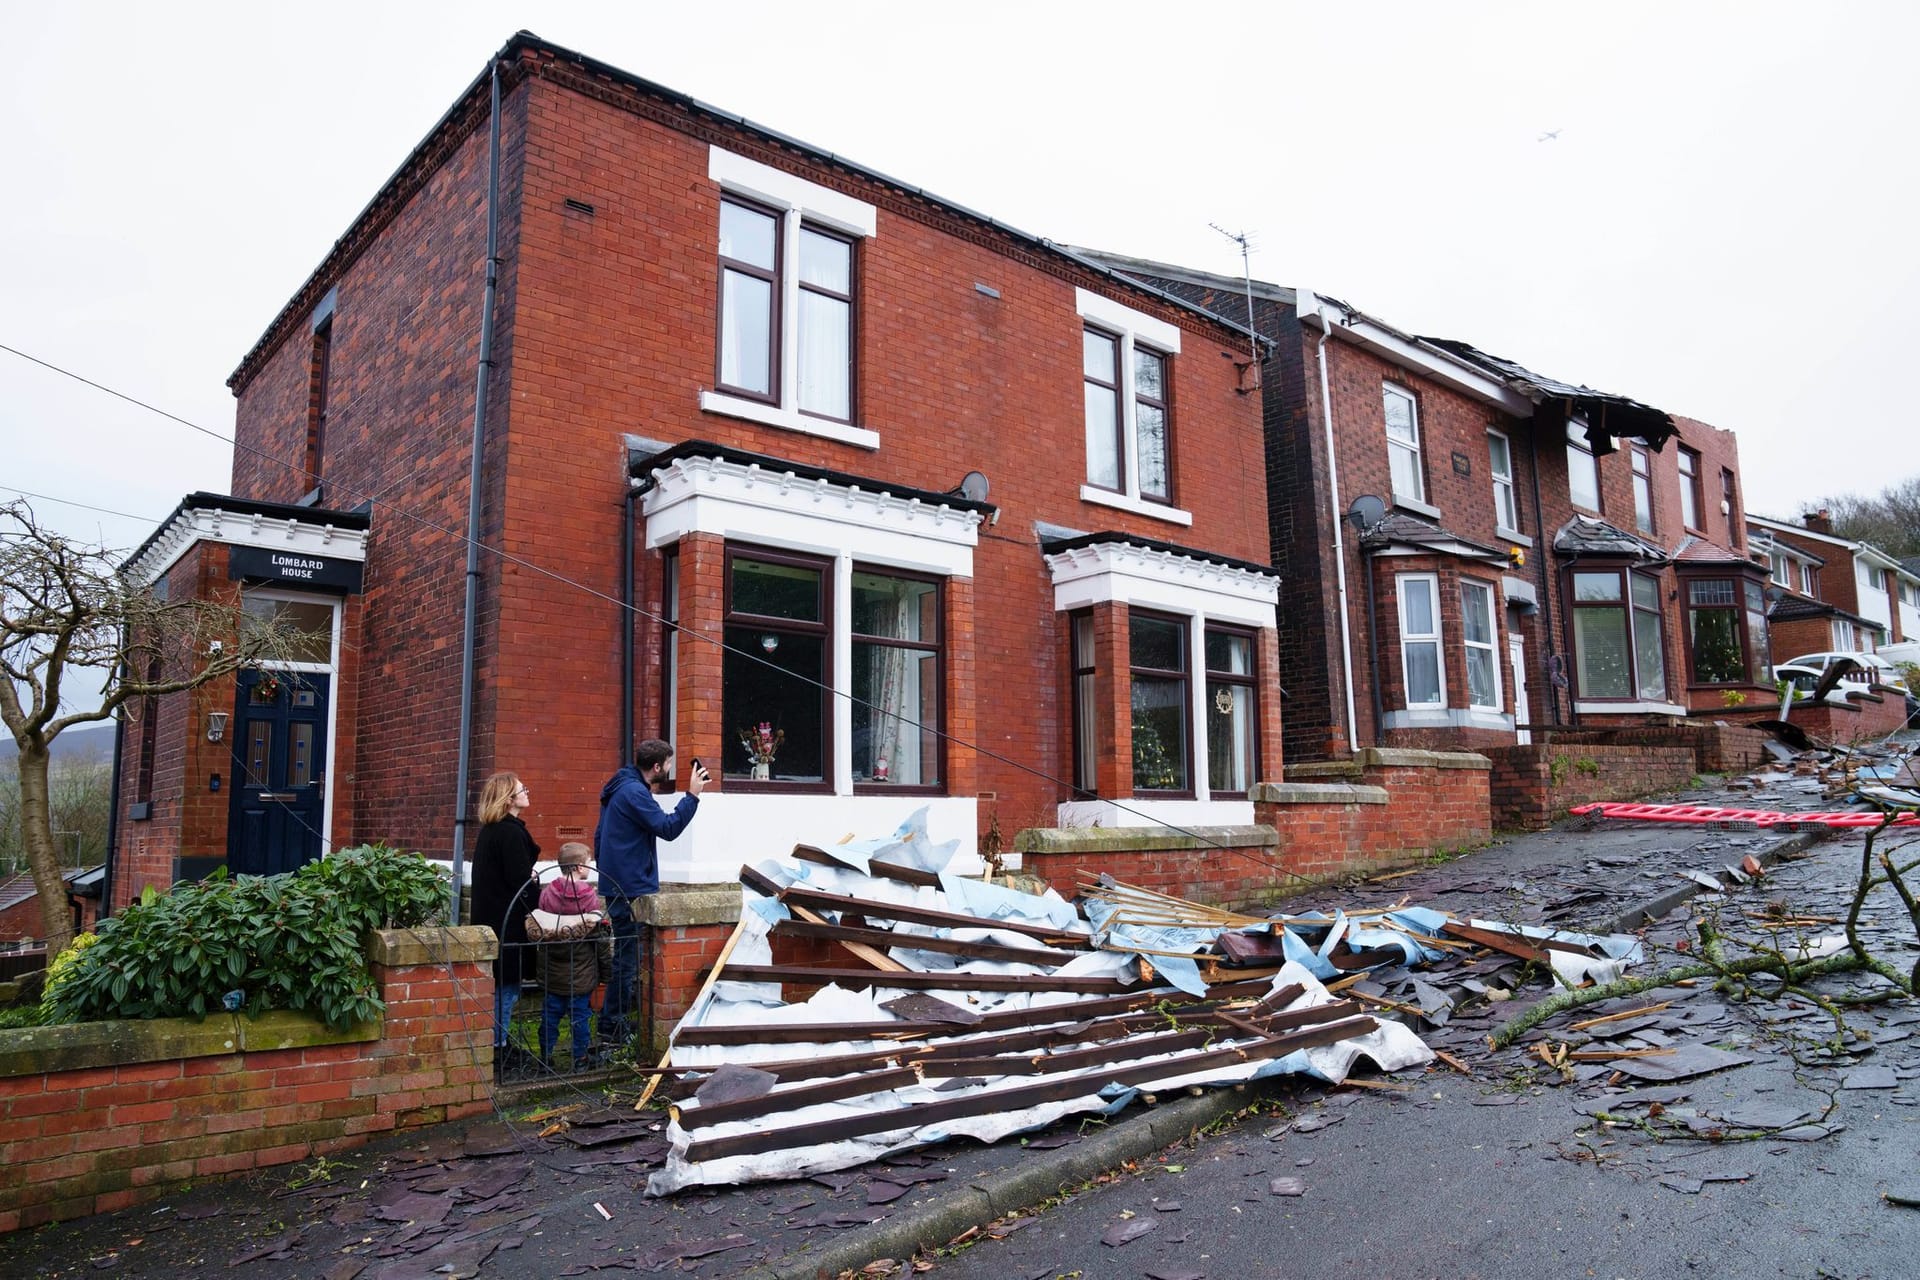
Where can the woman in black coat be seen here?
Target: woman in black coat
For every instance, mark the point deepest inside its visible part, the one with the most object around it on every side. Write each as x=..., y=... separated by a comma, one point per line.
x=503, y=890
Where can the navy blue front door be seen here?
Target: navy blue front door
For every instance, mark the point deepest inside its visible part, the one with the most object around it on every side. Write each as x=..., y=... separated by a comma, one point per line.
x=279, y=784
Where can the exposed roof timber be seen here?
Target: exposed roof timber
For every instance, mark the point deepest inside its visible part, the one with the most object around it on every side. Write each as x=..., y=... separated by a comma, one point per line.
x=1608, y=417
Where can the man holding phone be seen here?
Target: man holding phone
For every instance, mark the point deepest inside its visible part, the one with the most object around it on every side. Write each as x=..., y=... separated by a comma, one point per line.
x=626, y=848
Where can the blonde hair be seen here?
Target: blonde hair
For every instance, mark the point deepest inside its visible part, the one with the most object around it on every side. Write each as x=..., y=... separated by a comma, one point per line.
x=496, y=797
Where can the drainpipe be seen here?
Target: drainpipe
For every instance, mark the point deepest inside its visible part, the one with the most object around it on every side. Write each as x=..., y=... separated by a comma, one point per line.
x=626, y=622
x=1339, y=542
x=1540, y=569
x=113, y=812
x=1373, y=642
x=481, y=375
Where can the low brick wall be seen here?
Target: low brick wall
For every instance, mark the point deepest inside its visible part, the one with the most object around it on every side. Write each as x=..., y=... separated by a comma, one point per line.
x=1865, y=719
x=1382, y=808
x=1220, y=866
x=1718, y=746
x=1535, y=785
x=100, y=1115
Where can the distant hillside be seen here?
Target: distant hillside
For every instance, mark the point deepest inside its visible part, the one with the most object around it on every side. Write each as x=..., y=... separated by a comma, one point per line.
x=91, y=741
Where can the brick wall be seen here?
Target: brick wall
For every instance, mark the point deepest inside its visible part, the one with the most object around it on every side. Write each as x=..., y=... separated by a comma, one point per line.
x=1385, y=806
x=1718, y=746
x=1220, y=866
x=1533, y=786
x=99, y=1116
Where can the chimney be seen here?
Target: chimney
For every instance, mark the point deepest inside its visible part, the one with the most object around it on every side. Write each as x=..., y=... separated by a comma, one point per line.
x=1820, y=521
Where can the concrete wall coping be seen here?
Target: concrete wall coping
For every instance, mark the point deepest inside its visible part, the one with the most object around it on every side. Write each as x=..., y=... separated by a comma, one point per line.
x=1317, y=793
x=431, y=944
x=1129, y=839
x=76, y=1046
x=1388, y=758
x=682, y=905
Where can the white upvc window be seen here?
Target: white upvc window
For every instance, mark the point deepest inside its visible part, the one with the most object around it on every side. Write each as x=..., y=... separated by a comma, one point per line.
x=1809, y=580
x=1420, y=652
x=1478, y=635
x=1506, y=511
x=1583, y=469
x=1127, y=362
x=1782, y=569
x=787, y=250
x=1844, y=640
x=1403, y=442
x=1874, y=575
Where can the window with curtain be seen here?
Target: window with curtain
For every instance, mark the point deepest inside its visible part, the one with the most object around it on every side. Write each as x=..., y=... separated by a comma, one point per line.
x=1086, y=736
x=758, y=313
x=776, y=667
x=1403, y=443
x=1100, y=376
x=1616, y=636
x=896, y=679
x=1231, y=711
x=1506, y=511
x=1583, y=469
x=1125, y=386
x=1727, y=631
x=1477, y=636
x=1419, y=599
x=1158, y=661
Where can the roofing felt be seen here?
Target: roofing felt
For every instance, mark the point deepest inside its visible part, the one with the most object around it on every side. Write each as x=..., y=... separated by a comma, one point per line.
x=1586, y=536
x=1608, y=416
x=1696, y=550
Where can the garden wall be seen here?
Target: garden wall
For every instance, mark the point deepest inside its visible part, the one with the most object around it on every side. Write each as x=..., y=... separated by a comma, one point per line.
x=1220, y=866
x=96, y=1116
x=1534, y=786
x=1383, y=807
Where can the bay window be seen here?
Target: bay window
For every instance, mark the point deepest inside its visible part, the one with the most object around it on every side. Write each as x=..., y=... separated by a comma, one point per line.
x=1617, y=636
x=1425, y=675
x=1727, y=631
x=775, y=671
x=1086, y=723
x=1158, y=678
x=1231, y=758
x=896, y=679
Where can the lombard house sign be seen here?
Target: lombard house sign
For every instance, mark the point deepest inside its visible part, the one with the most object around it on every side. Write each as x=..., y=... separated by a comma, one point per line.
x=294, y=569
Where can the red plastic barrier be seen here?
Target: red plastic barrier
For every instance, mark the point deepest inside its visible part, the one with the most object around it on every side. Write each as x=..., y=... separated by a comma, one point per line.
x=1702, y=814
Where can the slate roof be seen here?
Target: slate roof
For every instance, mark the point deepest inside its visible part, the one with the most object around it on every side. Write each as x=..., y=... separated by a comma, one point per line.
x=1586, y=536
x=1608, y=416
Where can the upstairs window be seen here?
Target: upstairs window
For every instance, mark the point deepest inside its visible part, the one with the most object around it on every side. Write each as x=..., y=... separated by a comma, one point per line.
x=1690, y=501
x=1583, y=469
x=752, y=244
x=1506, y=511
x=1403, y=443
x=319, y=380
x=1126, y=376
x=1642, y=489
x=1782, y=569
x=1730, y=504
x=1810, y=580
x=1874, y=575
x=1425, y=674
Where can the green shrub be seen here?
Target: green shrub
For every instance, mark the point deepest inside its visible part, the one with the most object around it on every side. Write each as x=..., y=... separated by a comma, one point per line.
x=295, y=941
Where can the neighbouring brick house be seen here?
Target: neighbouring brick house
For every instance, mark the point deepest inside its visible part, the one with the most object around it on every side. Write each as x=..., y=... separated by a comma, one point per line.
x=1535, y=553
x=1833, y=593
x=763, y=373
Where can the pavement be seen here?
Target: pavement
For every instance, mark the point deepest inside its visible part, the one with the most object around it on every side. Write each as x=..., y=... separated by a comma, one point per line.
x=517, y=1194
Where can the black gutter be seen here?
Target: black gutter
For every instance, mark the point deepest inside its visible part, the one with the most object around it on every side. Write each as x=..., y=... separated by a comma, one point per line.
x=1540, y=569
x=1373, y=644
x=113, y=812
x=626, y=623
x=482, y=374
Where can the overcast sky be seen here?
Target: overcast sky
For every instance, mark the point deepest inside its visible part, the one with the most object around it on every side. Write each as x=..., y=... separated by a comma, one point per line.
x=1722, y=227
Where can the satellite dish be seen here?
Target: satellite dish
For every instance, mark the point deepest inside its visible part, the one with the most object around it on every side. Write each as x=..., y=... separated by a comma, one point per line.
x=973, y=487
x=1367, y=511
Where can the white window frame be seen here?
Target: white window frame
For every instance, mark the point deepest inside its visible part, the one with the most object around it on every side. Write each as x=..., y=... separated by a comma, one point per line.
x=1808, y=580
x=1506, y=502
x=1844, y=638
x=798, y=203
x=1412, y=448
x=1582, y=447
x=1132, y=328
x=1876, y=577
x=1408, y=638
x=1490, y=647
x=1782, y=569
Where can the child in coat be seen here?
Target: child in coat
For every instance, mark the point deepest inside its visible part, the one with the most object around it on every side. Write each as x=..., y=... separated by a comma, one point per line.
x=576, y=952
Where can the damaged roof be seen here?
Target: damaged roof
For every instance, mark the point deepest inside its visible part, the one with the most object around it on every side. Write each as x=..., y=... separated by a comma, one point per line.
x=1608, y=416
x=1586, y=536
x=1398, y=528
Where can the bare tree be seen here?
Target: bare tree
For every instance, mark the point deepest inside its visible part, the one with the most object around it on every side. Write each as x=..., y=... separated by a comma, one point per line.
x=1890, y=519
x=66, y=608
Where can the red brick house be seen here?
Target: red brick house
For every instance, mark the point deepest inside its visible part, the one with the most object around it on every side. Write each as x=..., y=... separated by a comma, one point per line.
x=1833, y=593
x=1469, y=548
x=736, y=389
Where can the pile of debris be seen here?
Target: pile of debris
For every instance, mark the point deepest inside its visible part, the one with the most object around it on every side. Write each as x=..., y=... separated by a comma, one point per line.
x=980, y=1010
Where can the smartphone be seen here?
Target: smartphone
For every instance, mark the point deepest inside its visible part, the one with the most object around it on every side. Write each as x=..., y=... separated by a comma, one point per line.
x=697, y=766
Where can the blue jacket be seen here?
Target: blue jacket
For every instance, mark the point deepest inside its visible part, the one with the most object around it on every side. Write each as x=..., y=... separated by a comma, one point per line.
x=631, y=820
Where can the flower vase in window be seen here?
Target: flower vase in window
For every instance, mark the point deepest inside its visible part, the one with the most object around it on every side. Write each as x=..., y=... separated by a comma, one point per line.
x=762, y=742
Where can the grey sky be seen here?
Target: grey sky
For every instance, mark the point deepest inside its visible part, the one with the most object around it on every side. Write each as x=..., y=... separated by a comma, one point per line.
x=1722, y=227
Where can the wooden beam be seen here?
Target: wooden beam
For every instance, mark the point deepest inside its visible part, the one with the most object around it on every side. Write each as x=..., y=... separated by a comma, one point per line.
x=809, y=975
